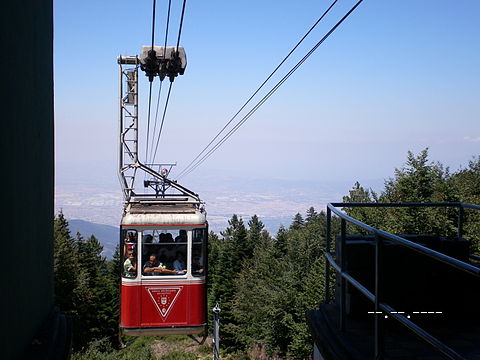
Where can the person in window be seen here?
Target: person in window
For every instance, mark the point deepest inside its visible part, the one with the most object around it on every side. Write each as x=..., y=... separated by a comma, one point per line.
x=198, y=253
x=130, y=243
x=162, y=238
x=130, y=266
x=179, y=263
x=197, y=268
x=155, y=267
x=182, y=236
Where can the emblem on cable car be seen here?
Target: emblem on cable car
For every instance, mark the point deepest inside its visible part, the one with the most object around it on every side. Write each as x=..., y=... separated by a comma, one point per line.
x=164, y=298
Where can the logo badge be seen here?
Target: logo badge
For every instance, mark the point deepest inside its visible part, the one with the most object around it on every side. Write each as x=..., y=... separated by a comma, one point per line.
x=164, y=298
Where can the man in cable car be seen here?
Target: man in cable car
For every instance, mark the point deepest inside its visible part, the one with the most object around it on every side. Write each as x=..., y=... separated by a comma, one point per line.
x=197, y=268
x=179, y=264
x=182, y=237
x=155, y=267
x=130, y=266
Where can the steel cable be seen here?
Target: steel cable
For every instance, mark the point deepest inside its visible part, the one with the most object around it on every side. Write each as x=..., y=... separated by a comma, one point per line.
x=163, y=119
x=171, y=82
x=187, y=170
x=150, y=90
x=262, y=85
x=161, y=81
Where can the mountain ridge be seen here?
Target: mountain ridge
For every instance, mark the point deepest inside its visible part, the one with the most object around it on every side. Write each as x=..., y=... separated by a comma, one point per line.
x=107, y=235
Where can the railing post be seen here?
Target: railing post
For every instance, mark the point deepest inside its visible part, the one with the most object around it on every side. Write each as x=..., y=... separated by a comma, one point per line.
x=342, y=279
x=327, y=251
x=379, y=320
x=460, y=222
x=216, y=332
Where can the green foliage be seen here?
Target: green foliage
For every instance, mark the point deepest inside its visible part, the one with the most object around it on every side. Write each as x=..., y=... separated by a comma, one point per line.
x=297, y=222
x=179, y=355
x=311, y=215
x=102, y=350
x=205, y=349
x=228, y=254
x=419, y=180
x=86, y=285
x=466, y=184
x=271, y=288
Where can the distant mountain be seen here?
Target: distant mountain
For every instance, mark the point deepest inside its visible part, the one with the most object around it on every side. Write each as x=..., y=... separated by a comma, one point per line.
x=107, y=235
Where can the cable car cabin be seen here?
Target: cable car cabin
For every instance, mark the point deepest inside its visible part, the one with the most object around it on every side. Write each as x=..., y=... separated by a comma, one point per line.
x=164, y=268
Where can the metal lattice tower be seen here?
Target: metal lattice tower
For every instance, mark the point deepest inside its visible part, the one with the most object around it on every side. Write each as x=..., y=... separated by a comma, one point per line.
x=129, y=162
x=128, y=154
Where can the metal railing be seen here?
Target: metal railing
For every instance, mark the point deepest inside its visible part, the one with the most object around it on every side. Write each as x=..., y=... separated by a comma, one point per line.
x=377, y=297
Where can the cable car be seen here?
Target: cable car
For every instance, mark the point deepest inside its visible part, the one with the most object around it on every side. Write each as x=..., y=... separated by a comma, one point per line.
x=163, y=287
x=163, y=232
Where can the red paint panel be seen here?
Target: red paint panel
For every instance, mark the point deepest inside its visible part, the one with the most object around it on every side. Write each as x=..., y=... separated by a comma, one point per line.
x=163, y=305
x=129, y=317
x=183, y=305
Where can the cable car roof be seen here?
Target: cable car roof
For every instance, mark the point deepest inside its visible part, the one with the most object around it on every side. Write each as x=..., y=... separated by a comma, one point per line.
x=159, y=212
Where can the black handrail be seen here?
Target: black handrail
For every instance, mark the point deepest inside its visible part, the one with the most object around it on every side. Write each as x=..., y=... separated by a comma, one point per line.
x=407, y=243
x=380, y=235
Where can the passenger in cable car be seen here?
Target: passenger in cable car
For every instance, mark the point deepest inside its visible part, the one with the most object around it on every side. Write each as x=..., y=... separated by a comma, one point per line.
x=131, y=237
x=130, y=266
x=162, y=237
x=197, y=252
x=130, y=243
x=182, y=237
x=155, y=267
x=197, y=268
x=162, y=257
x=168, y=237
x=179, y=263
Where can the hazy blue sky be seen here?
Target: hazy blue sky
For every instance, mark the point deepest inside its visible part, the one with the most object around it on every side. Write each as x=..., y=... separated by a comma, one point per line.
x=396, y=76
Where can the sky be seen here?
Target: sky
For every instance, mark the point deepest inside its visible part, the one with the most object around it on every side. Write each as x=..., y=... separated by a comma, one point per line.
x=396, y=76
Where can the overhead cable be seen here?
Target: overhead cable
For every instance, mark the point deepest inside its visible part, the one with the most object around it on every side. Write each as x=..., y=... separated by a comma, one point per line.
x=161, y=82
x=150, y=90
x=193, y=166
x=171, y=82
x=163, y=119
x=262, y=85
x=181, y=24
x=156, y=117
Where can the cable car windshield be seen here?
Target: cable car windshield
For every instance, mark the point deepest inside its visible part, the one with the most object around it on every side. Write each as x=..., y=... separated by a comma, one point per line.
x=199, y=252
x=163, y=252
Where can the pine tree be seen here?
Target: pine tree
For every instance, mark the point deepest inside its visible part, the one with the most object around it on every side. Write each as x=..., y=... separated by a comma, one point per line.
x=311, y=215
x=231, y=254
x=419, y=180
x=65, y=265
x=297, y=222
x=271, y=296
x=255, y=228
x=281, y=240
x=112, y=300
x=86, y=285
x=466, y=184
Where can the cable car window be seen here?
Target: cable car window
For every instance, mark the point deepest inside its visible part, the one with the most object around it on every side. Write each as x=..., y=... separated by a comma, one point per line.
x=129, y=253
x=198, y=252
x=164, y=252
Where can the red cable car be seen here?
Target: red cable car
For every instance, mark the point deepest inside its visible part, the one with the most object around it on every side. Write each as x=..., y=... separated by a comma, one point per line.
x=163, y=277
x=163, y=233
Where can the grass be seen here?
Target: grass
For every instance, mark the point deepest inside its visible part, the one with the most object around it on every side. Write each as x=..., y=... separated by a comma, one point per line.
x=174, y=347
x=102, y=350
